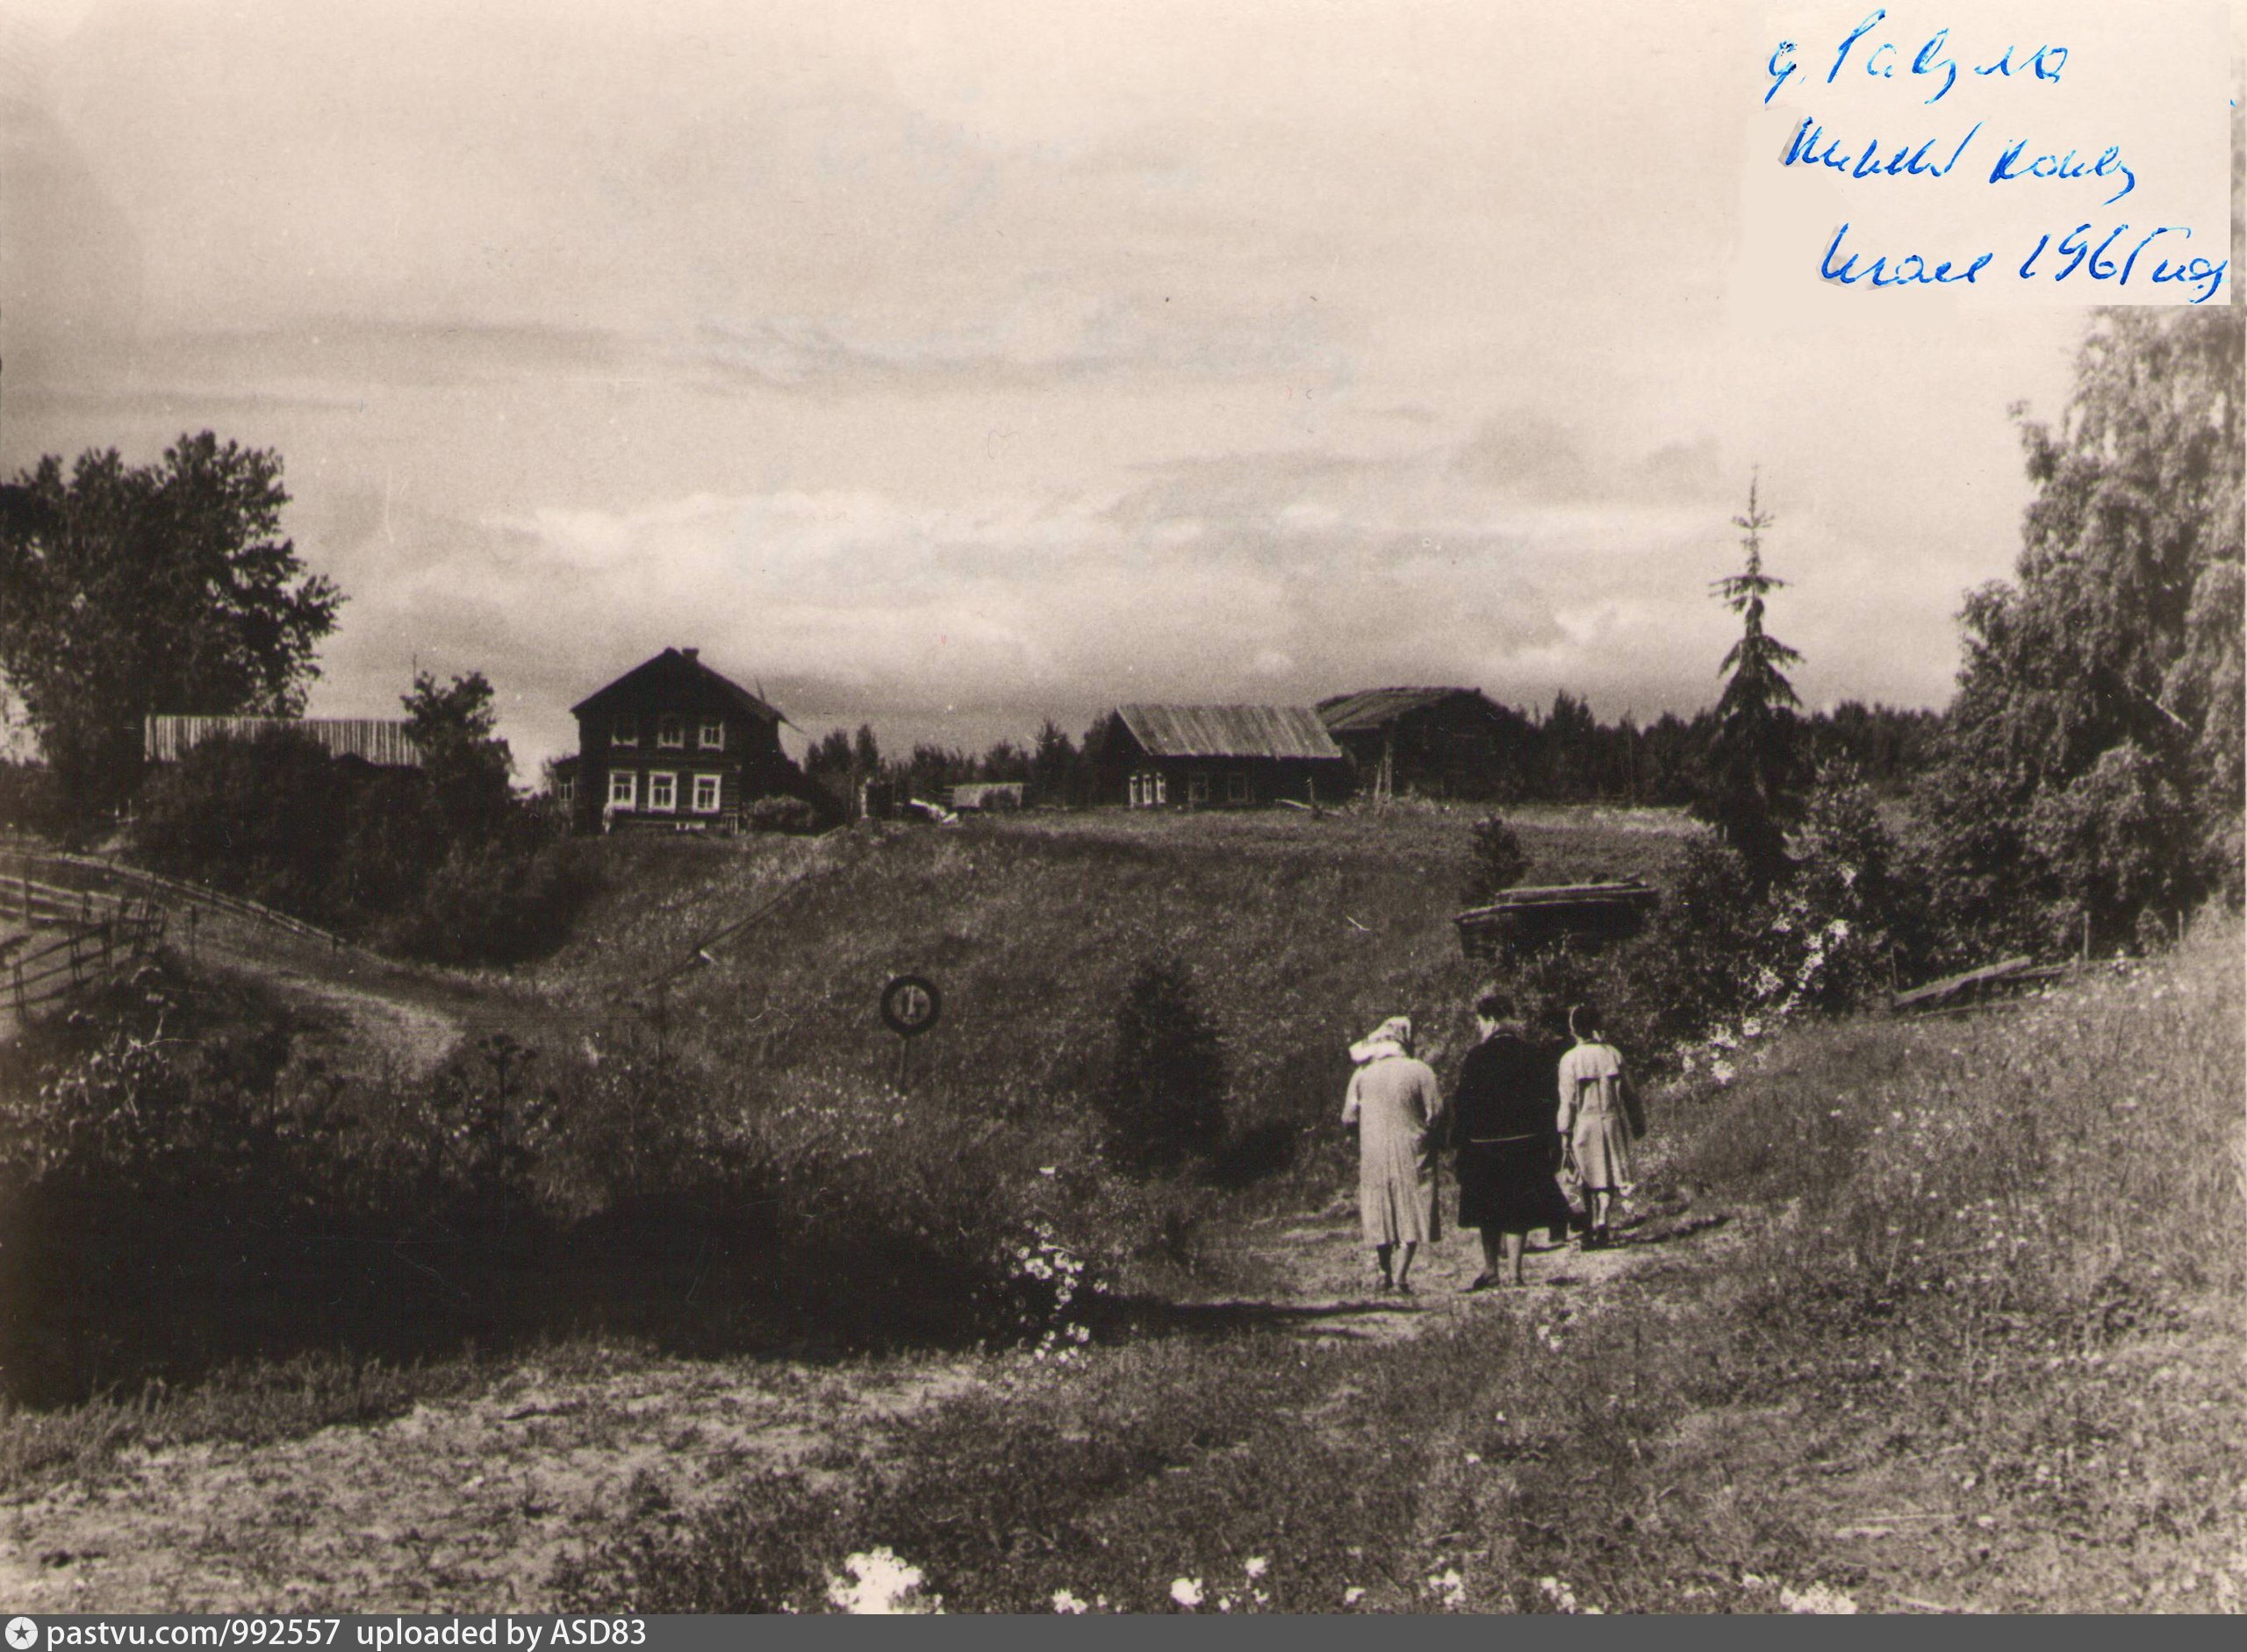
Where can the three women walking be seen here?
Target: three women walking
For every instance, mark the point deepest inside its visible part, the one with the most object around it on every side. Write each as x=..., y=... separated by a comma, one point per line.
x=1511, y=1142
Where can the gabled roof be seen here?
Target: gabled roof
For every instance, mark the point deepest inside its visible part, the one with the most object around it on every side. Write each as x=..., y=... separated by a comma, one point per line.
x=676, y=675
x=1378, y=708
x=1229, y=731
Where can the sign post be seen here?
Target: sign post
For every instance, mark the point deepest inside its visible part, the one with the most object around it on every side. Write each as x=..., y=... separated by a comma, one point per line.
x=910, y=1005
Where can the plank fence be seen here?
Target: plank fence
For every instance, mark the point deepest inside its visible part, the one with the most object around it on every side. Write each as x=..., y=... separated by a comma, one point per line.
x=85, y=922
x=73, y=940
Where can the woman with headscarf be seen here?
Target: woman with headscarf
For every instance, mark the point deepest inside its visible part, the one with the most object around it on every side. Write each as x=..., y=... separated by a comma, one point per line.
x=1507, y=1153
x=1396, y=1104
x=1598, y=1116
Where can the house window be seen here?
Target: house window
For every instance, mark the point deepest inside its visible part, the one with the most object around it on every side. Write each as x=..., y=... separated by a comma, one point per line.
x=565, y=790
x=1236, y=787
x=662, y=790
x=626, y=733
x=670, y=733
x=706, y=794
x=623, y=789
x=713, y=734
x=1197, y=788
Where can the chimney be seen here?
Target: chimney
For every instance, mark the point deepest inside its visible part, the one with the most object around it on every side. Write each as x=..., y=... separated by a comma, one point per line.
x=689, y=655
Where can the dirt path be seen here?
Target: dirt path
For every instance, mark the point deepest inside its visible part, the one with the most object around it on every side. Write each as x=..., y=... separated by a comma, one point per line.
x=370, y=1015
x=1315, y=1276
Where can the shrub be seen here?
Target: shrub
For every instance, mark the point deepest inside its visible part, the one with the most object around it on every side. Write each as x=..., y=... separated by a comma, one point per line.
x=1164, y=1098
x=1495, y=861
x=781, y=814
x=447, y=869
x=31, y=799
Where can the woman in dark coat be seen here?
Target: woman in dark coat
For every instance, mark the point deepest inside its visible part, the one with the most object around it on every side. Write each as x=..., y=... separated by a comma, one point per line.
x=1508, y=1150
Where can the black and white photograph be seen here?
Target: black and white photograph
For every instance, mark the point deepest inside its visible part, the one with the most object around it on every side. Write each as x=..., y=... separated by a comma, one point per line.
x=1309, y=807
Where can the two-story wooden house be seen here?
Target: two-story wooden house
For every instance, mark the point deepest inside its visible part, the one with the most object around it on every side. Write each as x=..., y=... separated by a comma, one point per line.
x=672, y=744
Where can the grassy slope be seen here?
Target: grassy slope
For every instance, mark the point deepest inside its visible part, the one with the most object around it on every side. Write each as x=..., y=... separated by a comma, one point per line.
x=1974, y=1346
x=1300, y=934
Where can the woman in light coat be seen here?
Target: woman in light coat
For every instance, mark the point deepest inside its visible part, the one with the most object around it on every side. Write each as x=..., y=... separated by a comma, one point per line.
x=1396, y=1104
x=1598, y=1116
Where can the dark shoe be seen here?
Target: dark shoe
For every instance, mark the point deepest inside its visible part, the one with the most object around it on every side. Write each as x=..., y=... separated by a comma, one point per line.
x=1404, y=1287
x=1481, y=1281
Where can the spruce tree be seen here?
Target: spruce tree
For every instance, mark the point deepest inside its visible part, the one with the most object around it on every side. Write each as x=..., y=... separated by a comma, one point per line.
x=1748, y=791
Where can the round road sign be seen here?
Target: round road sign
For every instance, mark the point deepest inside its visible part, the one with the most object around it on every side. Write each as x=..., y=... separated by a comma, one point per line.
x=910, y=1005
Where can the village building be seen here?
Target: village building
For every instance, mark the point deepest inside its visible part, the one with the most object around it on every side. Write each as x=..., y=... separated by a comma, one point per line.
x=673, y=745
x=380, y=741
x=1219, y=757
x=1437, y=741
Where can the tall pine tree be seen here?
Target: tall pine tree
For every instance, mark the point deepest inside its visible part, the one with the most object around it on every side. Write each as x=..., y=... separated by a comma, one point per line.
x=1747, y=790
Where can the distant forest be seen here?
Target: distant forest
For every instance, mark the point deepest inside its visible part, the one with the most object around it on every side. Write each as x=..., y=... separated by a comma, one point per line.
x=1566, y=755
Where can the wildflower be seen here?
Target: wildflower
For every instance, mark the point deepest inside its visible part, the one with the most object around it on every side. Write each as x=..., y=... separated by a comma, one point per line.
x=1352, y=1595
x=1067, y=1603
x=1186, y=1591
x=1257, y=1566
x=1819, y=1598
x=880, y=1584
x=1449, y=1588
x=1560, y=1594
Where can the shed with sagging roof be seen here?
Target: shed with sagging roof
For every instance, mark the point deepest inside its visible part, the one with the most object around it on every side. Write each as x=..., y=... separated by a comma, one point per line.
x=1439, y=742
x=1218, y=757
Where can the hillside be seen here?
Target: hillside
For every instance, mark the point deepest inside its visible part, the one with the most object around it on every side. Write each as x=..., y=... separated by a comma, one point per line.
x=1298, y=932
x=1933, y=1316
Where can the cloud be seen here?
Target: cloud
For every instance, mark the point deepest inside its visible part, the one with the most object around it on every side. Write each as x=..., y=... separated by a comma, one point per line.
x=1277, y=576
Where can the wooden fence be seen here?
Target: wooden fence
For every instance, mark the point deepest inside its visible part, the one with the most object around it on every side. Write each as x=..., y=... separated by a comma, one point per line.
x=173, y=892
x=72, y=940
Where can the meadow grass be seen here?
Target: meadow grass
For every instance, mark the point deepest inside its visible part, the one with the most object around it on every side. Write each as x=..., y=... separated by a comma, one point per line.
x=1976, y=1349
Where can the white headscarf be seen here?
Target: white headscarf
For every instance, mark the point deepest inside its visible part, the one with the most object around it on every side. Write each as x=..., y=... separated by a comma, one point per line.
x=1392, y=1037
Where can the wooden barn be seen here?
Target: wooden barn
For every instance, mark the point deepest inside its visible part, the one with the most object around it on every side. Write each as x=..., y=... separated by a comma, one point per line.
x=381, y=741
x=1219, y=757
x=673, y=745
x=1437, y=741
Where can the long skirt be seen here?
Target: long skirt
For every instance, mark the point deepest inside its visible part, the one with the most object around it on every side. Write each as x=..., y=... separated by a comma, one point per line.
x=1603, y=1150
x=1508, y=1187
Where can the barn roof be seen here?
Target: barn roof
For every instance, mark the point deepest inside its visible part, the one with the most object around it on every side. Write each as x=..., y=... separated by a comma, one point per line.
x=1229, y=731
x=676, y=674
x=1378, y=708
x=381, y=741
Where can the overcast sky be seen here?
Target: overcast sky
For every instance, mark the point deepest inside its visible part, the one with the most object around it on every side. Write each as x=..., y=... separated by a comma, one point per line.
x=945, y=366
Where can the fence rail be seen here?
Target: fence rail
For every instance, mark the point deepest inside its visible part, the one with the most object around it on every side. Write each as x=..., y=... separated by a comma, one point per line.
x=65, y=956
x=86, y=923
x=155, y=886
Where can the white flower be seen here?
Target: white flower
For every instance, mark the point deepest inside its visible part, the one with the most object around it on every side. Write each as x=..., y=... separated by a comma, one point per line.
x=1819, y=1598
x=1257, y=1566
x=881, y=1584
x=1352, y=1595
x=1067, y=1603
x=1187, y=1592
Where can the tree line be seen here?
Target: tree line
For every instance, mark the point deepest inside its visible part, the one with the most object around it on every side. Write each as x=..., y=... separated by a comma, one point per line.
x=1565, y=755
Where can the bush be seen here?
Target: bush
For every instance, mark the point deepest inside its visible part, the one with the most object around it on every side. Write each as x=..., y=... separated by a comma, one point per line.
x=1495, y=861
x=443, y=869
x=1164, y=1098
x=781, y=814
x=31, y=799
